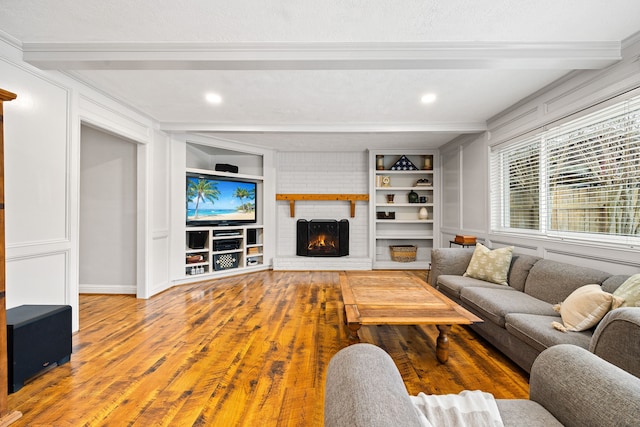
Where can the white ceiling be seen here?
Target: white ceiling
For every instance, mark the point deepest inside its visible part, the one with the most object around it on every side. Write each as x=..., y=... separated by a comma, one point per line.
x=321, y=75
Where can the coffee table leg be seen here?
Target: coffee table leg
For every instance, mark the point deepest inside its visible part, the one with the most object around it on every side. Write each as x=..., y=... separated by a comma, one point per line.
x=353, y=329
x=442, y=343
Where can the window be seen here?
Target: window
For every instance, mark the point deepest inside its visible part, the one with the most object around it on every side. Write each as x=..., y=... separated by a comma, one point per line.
x=580, y=179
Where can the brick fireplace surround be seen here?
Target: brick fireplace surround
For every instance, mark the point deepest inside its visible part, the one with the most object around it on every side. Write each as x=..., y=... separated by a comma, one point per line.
x=320, y=172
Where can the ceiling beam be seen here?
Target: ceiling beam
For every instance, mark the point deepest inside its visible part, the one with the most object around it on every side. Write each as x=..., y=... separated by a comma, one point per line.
x=321, y=56
x=453, y=127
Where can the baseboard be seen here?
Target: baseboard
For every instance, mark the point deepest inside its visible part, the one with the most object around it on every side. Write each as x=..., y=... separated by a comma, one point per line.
x=107, y=289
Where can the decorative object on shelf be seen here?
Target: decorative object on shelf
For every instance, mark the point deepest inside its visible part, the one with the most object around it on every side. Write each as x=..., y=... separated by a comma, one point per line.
x=192, y=259
x=379, y=162
x=413, y=197
x=225, y=261
x=390, y=198
x=385, y=181
x=403, y=164
x=385, y=215
x=423, y=182
x=423, y=213
x=423, y=199
x=428, y=163
x=403, y=253
x=466, y=240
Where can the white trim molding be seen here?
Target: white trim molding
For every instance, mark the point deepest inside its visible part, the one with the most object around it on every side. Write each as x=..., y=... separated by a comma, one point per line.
x=322, y=55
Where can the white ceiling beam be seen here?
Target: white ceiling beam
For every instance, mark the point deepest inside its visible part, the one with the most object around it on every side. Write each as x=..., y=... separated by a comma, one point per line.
x=453, y=127
x=321, y=56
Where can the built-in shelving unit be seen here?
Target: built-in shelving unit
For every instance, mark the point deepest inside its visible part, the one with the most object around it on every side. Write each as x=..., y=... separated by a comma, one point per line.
x=223, y=249
x=396, y=217
x=211, y=251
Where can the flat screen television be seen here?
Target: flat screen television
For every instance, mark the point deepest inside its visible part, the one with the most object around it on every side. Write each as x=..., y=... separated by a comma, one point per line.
x=217, y=201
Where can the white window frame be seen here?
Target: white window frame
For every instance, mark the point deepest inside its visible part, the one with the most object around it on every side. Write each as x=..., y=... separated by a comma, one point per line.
x=499, y=185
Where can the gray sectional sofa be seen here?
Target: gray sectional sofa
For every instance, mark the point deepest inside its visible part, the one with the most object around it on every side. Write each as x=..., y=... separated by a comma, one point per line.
x=569, y=386
x=517, y=318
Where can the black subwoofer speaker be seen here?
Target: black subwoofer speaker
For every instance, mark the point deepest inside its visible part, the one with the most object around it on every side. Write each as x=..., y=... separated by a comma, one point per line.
x=37, y=337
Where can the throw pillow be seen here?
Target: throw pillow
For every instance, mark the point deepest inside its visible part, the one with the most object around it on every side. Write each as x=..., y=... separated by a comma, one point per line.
x=630, y=291
x=584, y=308
x=490, y=265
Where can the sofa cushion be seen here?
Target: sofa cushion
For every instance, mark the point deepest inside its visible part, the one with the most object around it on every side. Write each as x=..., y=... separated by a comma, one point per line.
x=495, y=304
x=490, y=265
x=537, y=331
x=553, y=281
x=451, y=285
x=585, y=307
x=520, y=267
x=515, y=411
x=630, y=291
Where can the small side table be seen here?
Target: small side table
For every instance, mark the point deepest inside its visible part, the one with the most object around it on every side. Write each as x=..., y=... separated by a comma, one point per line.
x=464, y=245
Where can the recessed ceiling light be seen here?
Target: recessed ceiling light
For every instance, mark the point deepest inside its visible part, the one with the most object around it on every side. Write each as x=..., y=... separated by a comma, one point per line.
x=428, y=98
x=213, y=98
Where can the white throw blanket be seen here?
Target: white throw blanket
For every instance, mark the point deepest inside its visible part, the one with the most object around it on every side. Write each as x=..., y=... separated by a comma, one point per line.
x=469, y=408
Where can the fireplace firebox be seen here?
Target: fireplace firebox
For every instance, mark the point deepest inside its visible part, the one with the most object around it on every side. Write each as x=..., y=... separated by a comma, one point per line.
x=322, y=238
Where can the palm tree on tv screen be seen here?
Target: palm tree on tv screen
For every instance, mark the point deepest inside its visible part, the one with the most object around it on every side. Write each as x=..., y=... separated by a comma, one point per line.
x=202, y=189
x=241, y=193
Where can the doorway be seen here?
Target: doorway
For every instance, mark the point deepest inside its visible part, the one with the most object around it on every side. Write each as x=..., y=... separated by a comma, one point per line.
x=108, y=213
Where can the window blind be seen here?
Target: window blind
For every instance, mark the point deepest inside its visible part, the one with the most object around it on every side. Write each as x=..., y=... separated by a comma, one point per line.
x=578, y=179
x=594, y=173
x=515, y=185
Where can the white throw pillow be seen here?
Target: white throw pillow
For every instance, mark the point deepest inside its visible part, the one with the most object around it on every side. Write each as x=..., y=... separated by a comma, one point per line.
x=584, y=308
x=630, y=291
x=490, y=265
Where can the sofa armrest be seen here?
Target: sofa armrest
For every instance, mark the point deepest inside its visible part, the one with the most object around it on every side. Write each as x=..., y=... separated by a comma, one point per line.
x=617, y=339
x=449, y=261
x=364, y=388
x=581, y=389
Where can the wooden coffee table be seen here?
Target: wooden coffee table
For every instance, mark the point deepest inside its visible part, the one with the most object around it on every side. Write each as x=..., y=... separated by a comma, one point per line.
x=399, y=298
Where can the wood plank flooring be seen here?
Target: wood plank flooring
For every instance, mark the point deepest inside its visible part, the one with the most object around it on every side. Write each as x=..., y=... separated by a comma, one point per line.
x=246, y=350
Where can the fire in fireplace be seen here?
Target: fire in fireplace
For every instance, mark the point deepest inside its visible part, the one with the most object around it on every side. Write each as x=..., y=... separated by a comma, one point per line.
x=322, y=237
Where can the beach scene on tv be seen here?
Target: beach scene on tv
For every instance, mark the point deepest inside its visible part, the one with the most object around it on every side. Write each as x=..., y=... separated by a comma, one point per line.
x=214, y=200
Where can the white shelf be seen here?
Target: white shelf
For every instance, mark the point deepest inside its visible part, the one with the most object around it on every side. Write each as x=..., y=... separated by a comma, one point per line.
x=404, y=221
x=401, y=236
x=225, y=174
x=406, y=228
x=242, y=251
x=392, y=172
x=410, y=205
x=420, y=188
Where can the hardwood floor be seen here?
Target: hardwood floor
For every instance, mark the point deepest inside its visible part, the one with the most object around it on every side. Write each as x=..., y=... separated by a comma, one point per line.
x=245, y=350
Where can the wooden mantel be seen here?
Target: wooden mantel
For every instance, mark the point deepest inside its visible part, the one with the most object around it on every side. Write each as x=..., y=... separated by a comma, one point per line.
x=352, y=198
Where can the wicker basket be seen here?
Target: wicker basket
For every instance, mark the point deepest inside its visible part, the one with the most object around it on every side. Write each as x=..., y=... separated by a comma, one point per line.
x=403, y=253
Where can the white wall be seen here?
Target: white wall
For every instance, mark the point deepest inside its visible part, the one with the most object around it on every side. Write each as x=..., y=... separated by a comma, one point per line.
x=42, y=183
x=39, y=241
x=465, y=164
x=322, y=172
x=108, y=211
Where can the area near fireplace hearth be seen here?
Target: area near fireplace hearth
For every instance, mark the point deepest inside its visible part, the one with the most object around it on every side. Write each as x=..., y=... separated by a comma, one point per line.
x=322, y=173
x=370, y=237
